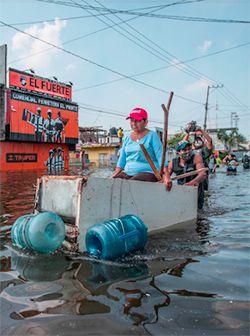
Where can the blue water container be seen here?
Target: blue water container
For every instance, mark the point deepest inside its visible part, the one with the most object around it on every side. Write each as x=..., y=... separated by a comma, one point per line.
x=116, y=237
x=43, y=232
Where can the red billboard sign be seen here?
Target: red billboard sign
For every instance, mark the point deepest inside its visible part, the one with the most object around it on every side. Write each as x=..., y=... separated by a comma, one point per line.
x=32, y=83
x=40, y=119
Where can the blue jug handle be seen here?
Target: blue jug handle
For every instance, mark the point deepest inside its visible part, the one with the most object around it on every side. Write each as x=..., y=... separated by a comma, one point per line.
x=129, y=234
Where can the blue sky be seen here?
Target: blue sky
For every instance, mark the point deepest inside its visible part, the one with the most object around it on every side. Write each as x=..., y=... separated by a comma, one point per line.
x=142, y=44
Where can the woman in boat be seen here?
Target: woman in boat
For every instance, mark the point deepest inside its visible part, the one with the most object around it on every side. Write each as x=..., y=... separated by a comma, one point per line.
x=132, y=163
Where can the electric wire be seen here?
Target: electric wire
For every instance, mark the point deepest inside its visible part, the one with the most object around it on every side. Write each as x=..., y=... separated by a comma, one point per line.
x=164, y=67
x=193, y=72
x=187, y=71
x=100, y=65
x=161, y=16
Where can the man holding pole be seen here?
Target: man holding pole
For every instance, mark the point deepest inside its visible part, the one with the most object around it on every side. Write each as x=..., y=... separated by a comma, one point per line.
x=185, y=162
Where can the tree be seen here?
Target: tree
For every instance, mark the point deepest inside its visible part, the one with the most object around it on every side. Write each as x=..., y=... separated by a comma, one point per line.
x=175, y=139
x=230, y=139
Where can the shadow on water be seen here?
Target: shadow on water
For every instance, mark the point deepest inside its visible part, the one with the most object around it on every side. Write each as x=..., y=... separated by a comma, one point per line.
x=190, y=280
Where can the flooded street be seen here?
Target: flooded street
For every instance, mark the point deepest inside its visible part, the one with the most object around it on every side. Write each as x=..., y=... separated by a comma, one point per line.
x=191, y=280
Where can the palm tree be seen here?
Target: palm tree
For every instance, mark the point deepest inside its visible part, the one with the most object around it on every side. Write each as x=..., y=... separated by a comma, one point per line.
x=232, y=139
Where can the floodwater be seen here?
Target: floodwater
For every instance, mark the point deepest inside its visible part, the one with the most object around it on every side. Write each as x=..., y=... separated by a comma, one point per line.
x=189, y=281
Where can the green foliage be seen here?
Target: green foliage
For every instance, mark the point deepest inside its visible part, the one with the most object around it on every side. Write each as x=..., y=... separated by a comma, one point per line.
x=231, y=139
x=175, y=139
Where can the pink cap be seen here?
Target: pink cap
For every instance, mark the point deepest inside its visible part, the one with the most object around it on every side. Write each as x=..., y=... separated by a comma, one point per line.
x=138, y=114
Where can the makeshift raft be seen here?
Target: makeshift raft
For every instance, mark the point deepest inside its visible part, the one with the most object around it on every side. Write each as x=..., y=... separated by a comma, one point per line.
x=83, y=202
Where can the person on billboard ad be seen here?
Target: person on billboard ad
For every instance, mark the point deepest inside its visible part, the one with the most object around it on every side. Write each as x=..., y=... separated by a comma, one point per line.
x=39, y=125
x=49, y=127
x=58, y=128
x=59, y=160
x=50, y=163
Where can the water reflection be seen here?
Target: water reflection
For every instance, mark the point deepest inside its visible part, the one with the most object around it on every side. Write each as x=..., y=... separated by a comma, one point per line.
x=188, y=281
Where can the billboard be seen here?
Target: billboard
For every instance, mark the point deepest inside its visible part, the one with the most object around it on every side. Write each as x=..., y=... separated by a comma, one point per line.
x=31, y=83
x=3, y=62
x=37, y=118
x=53, y=158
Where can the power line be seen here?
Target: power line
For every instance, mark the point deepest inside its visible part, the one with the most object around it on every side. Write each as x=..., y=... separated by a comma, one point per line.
x=117, y=114
x=160, y=16
x=165, y=67
x=191, y=72
x=99, y=65
x=80, y=37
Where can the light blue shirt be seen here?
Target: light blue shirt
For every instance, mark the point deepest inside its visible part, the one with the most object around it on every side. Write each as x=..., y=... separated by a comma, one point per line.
x=132, y=159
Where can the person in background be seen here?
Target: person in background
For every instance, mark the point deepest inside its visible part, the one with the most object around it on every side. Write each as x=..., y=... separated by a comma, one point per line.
x=187, y=161
x=120, y=135
x=203, y=145
x=218, y=161
x=231, y=162
x=132, y=163
x=246, y=161
x=212, y=164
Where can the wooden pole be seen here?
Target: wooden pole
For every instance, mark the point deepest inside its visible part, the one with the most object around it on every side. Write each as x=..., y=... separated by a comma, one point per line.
x=194, y=172
x=151, y=163
x=165, y=132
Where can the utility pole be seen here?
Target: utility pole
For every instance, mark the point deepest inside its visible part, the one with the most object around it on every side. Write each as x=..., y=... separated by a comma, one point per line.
x=206, y=109
x=206, y=104
x=232, y=118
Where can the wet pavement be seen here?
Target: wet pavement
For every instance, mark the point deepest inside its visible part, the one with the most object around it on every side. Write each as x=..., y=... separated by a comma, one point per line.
x=191, y=280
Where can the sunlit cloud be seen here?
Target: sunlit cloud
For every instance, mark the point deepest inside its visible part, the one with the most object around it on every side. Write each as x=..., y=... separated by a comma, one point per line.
x=24, y=45
x=70, y=67
x=205, y=46
x=199, y=85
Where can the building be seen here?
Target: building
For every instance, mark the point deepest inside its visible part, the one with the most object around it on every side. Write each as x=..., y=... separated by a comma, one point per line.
x=38, y=121
x=99, y=148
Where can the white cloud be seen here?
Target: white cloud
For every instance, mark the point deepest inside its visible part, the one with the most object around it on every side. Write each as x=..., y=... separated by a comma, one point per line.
x=200, y=84
x=26, y=46
x=70, y=67
x=205, y=46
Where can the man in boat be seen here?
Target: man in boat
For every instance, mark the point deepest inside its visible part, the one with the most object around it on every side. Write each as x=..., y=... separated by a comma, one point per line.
x=187, y=161
x=132, y=163
x=202, y=144
x=231, y=162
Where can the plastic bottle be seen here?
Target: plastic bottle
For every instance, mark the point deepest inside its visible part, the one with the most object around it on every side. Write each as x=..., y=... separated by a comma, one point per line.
x=43, y=232
x=116, y=237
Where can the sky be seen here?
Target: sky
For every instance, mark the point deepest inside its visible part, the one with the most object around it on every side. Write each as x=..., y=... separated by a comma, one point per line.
x=125, y=54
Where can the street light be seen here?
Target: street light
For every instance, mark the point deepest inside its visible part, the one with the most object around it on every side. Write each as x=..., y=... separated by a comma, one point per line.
x=206, y=104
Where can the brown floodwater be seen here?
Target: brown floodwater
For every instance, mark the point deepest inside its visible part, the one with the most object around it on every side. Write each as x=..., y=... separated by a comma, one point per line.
x=191, y=280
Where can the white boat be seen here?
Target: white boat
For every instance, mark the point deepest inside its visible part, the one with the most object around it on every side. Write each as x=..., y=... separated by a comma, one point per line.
x=83, y=202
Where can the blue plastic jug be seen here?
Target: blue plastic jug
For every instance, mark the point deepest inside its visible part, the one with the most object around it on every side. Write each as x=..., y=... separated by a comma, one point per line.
x=116, y=237
x=43, y=232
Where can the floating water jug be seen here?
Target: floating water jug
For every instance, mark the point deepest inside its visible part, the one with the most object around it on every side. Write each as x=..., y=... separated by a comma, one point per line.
x=116, y=237
x=43, y=232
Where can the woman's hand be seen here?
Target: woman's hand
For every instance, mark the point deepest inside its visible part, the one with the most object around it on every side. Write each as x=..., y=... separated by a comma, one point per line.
x=118, y=170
